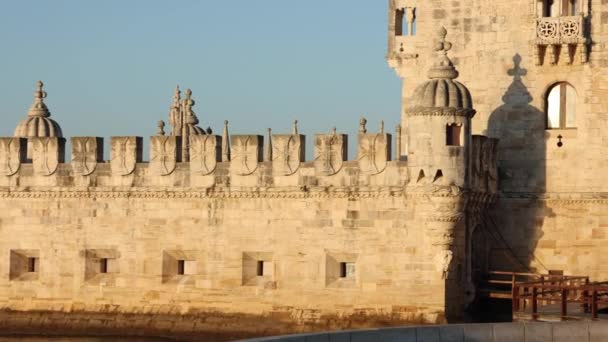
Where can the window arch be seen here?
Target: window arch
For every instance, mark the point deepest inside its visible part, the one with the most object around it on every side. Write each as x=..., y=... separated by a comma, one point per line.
x=557, y=8
x=561, y=106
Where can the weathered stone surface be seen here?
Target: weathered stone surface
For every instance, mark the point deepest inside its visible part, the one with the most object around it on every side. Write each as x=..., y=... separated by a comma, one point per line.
x=246, y=152
x=86, y=153
x=374, y=152
x=205, y=153
x=12, y=154
x=330, y=152
x=287, y=153
x=164, y=154
x=572, y=331
x=508, y=332
x=47, y=154
x=126, y=153
x=538, y=332
x=478, y=332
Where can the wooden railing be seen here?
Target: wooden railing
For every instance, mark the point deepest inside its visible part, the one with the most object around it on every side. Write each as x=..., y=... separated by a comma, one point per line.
x=533, y=291
x=565, y=291
x=500, y=284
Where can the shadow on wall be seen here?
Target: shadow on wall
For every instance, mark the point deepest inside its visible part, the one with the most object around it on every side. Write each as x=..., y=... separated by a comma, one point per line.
x=512, y=230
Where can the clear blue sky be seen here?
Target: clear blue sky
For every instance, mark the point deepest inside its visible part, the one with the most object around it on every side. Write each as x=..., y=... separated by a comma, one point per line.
x=110, y=66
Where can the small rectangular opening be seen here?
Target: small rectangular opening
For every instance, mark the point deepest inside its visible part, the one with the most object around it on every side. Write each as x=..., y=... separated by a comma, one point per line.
x=103, y=265
x=453, y=132
x=32, y=265
x=260, y=268
x=347, y=270
x=181, y=267
x=399, y=18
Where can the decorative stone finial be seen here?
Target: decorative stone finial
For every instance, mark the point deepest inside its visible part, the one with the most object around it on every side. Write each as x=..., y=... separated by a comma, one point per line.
x=177, y=96
x=362, y=128
x=442, y=65
x=161, y=128
x=188, y=103
x=382, y=127
x=268, y=146
x=225, y=143
x=294, y=129
x=39, y=108
x=174, y=113
x=334, y=131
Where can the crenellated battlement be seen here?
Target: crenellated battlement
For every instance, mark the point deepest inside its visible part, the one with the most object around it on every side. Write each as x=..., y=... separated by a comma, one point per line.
x=252, y=161
x=277, y=161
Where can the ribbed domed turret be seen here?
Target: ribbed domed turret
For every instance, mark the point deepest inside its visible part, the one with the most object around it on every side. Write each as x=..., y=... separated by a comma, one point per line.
x=441, y=92
x=38, y=122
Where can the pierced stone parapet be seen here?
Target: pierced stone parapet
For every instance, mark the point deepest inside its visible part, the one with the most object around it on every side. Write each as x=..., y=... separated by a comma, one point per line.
x=565, y=36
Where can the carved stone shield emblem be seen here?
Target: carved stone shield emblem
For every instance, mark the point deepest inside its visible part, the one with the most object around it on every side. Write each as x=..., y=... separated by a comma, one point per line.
x=374, y=152
x=330, y=153
x=205, y=152
x=86, y=153
x=12, y=154
x=48, y=153
x=125, y=154
x=246, y=153
x=163, y=154
x=287, y=153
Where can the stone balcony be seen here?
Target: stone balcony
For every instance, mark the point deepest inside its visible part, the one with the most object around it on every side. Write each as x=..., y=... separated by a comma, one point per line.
x=561, y=40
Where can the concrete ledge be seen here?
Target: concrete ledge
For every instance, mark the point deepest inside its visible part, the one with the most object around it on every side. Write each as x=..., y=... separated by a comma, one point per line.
x=497, y=332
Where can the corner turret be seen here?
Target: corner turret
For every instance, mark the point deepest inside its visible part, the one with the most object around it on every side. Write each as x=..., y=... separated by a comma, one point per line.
x=439, y=123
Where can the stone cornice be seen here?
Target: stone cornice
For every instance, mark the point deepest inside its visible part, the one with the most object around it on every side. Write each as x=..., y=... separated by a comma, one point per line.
x=253, y=192
x=440, y=111
x=299, y=192
x=558, y=197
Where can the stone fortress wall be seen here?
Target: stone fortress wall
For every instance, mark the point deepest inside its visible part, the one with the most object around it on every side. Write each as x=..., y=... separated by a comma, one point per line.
x=221, y=226
x=239, y=233
x=552, y=208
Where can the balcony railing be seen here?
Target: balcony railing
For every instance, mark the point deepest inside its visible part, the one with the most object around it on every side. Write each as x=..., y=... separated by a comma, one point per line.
x=561, y=30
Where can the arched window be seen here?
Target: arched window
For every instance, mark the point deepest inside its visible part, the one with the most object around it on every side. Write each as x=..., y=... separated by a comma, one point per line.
x=556, y=8
x=561, y=106
x=405, y=21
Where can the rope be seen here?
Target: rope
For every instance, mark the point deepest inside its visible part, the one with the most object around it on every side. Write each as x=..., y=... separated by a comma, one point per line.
x=489, y=218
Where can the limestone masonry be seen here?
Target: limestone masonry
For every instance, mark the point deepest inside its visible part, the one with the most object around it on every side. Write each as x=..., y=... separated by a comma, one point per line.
x=497, y=165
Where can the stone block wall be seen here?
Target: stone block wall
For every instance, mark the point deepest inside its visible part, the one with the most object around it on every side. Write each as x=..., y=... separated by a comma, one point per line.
x=320, y=244
x=551, y=184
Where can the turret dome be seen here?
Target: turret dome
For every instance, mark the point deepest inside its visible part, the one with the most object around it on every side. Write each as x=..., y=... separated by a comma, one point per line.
x=441, y=91
x=38, y=122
